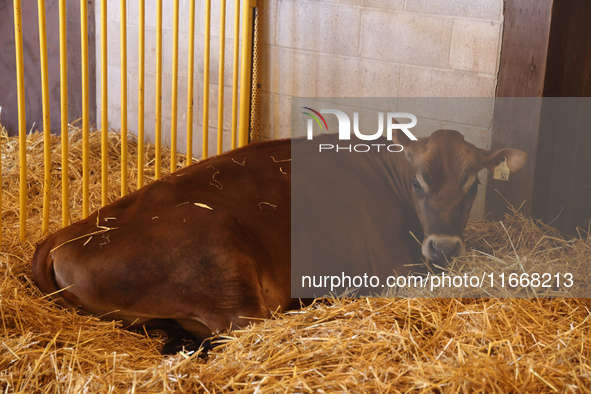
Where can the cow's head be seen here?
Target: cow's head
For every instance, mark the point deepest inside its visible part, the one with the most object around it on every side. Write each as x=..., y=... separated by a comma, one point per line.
x=445, y=183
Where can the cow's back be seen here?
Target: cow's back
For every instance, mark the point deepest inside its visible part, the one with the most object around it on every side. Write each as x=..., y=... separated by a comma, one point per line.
x=214, y=235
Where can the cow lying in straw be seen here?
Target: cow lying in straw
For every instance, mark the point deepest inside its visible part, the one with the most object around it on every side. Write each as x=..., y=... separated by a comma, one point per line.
x=208, y=247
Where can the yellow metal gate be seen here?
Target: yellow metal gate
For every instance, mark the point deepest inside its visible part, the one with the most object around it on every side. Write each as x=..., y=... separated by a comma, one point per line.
x=241, y=85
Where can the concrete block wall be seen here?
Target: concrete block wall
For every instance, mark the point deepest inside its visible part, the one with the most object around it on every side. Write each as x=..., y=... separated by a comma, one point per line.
x=378, y=48
x=381, y=48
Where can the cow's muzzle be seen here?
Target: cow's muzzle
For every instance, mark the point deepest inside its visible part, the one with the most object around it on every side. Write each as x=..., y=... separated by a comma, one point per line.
x=440, y=248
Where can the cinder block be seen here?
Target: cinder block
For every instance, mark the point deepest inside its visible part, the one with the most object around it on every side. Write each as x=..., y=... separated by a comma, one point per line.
x=181, y=101
x=475, y=111
x=319, y=27
x=424, y=82
x=114, y=115
x=181, y=143
x=211, y=143
x=353, y=77
x=344, y=2
x=150, y=13
x=184, y=17
x=166, y=96
x=113, y=45
x=197, y=136
x=215, y=18
x=385, y=4
x=214, y=60
x=149, y=109
x=198, y=55
x=113, y=12
x=479, y=136
x=132, y=90
x=406, y=38
x=113, y=87
x=149, y=131
x=165, y=127
x=132, y=47
x=98, y=116
x=287, y=71
x=213, y=108
x=181, y=128
x=167, y=15
x=425, y=127
x=149, y=95
x=183, y=57
x=132, y=122
x=182, y=107
x=281, y=118
x=266, y=117
x=150, y=51
x=475, y=46
x=269, y=23
x=482, y=9
x=113, y=118
x=167, y=50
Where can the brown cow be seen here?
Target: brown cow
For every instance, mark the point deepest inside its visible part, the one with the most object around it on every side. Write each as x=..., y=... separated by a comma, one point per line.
x=210, y=244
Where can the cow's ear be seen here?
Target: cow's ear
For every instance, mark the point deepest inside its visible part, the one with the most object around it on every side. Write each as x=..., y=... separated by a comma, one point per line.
x=400, y=138
x=515, y=159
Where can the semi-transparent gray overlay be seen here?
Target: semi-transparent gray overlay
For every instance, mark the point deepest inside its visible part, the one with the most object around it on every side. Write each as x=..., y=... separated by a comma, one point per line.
x=340, y=206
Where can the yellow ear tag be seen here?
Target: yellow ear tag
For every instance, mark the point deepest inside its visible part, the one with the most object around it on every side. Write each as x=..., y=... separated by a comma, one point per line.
x=502, y=171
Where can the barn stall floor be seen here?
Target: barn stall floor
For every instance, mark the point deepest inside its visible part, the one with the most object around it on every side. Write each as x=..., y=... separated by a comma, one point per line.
x=364, y=345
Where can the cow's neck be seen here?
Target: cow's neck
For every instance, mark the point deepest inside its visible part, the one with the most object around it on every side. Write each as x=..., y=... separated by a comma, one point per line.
x=397, y=172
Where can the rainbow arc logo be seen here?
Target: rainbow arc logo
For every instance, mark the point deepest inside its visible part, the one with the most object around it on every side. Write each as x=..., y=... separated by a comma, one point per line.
x=316, y=117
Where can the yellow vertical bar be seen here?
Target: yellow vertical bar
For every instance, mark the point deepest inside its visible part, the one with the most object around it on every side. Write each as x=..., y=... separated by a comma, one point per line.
x=158, y=88
x=245, y=66
x=64, y=112
x=175, y=82
x=206, y=78
x=140, y=99
x=221, y=77
x=104, y=108
x=22, y=131
x=235, y=73
x=123, y=34
x=46, y=118
x=85, y=109
x=190, y=87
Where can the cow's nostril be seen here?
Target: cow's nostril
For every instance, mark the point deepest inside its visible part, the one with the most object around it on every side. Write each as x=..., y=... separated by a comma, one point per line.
x=442, y=249
x=433, y=249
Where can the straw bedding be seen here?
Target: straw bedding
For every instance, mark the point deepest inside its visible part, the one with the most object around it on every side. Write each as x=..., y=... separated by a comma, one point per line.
x=363, y=345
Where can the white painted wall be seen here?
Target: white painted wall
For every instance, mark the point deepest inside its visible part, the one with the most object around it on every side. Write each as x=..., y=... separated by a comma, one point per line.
x=378, y=48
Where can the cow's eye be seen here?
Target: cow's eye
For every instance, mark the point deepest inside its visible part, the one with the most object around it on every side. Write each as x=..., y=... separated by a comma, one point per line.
x=416, y=185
